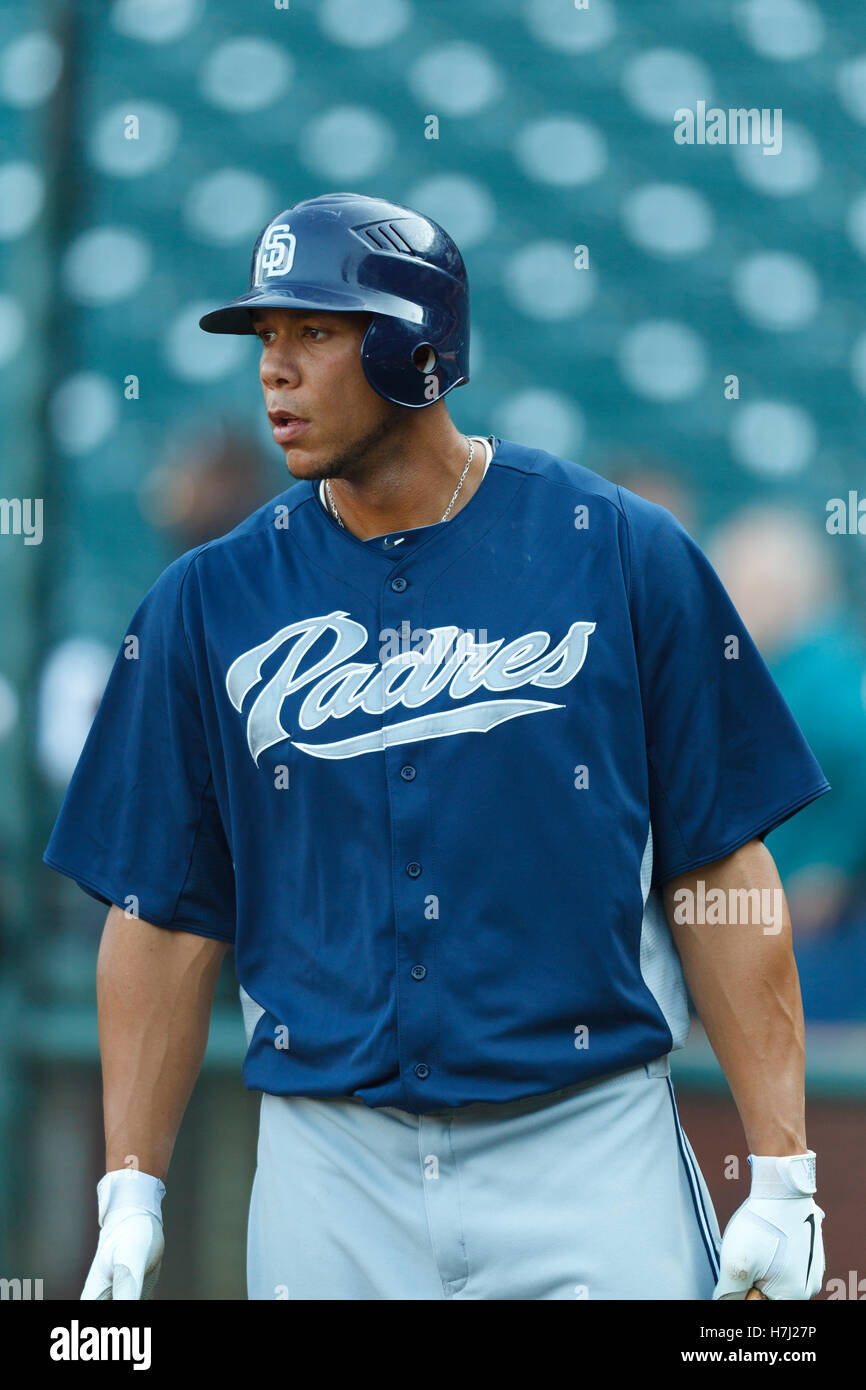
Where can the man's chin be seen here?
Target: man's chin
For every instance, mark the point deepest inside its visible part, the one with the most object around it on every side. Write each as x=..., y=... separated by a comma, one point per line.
x=301, y=464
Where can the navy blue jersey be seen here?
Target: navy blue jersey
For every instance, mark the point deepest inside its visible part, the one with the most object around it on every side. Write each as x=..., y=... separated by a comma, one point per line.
x=429, y=785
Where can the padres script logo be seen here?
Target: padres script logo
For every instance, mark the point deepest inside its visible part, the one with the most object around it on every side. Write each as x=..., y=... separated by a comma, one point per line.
x=337, y=685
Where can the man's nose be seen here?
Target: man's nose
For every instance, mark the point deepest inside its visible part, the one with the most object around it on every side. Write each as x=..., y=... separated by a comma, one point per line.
x=278, y=368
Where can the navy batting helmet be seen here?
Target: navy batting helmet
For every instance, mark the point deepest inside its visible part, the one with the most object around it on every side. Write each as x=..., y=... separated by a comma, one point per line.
x=344, y=251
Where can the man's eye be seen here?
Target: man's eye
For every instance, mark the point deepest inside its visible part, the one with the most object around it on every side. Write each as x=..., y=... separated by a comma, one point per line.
x=267, y=334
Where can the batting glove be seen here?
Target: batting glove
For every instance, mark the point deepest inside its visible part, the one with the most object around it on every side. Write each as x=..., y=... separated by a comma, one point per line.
x=129, y=1253
x=774, y=1239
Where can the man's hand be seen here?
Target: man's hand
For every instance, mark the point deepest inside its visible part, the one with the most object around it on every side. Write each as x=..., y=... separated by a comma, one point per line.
x=129, y=1253
x=774, y=1239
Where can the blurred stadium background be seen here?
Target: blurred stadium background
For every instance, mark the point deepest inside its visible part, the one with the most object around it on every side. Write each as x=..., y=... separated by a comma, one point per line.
x=144, y=436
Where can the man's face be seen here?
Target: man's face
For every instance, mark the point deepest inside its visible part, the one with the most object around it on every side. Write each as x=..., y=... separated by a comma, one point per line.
x=311, y=369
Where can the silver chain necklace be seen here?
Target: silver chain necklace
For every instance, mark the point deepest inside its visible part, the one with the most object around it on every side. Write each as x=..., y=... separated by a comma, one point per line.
x=338, y=518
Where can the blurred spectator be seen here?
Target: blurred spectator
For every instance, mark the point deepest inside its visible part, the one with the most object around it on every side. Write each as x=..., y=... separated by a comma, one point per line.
x=656, y=482
x=777, y=567
x=211, y=477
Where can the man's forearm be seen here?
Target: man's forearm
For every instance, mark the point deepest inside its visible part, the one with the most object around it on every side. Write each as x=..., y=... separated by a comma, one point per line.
x=155, y=991
x=744, y=983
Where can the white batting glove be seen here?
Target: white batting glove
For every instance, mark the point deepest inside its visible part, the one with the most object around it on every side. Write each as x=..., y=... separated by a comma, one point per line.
x=773, y=1240
x=129, y=1253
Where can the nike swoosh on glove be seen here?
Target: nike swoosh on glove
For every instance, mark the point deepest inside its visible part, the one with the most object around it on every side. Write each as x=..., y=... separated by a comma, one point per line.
x=773, y=1240
x=129, y=1254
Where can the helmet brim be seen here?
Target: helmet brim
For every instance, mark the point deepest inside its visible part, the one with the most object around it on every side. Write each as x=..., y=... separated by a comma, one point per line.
x=235, y=317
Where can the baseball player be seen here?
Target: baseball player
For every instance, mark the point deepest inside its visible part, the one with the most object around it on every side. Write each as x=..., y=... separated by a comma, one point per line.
x=467, y=755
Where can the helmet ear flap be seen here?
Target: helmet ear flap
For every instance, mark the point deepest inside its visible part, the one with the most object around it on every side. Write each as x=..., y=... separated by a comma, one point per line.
x=425, y=357
x=390, y=346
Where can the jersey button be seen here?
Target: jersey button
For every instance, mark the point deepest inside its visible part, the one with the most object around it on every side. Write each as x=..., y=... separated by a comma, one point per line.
x=413, y=869
x=408, y=773
x=418, y=972
x=422, y=1071
x=399, y=585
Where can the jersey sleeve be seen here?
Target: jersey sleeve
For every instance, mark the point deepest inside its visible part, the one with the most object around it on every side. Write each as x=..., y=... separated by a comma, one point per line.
x=726, y=760
x=139, y=825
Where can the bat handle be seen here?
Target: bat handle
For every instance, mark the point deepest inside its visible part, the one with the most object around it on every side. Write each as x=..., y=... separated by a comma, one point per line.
x=755, y=1293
